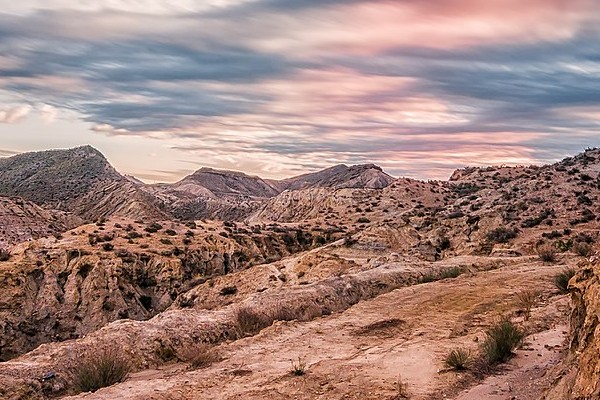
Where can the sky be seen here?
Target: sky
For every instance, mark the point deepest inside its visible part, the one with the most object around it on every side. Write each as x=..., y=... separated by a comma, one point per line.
x=277, y=88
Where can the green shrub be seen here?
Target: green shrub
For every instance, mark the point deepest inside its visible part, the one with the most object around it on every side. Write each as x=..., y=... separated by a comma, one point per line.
x=459, y=359
x=99, y=368
x=501, y=339
x=561, y=280
x=298, y=367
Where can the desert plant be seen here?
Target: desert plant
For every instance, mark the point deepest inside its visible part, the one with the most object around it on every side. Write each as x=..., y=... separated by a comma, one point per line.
x=459, y=359
x=249, y=321
x=526, y=300
x=298, y=367
x=501, y=339
x=4, y=255
x=502, y=235
x=401, y=389
x=98, y=369
x=199, y=355
x=583, y=249
x=561, y=280
x=546, y=252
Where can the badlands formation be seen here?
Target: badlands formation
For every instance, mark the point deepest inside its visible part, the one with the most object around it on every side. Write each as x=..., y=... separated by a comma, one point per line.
x=345, y=283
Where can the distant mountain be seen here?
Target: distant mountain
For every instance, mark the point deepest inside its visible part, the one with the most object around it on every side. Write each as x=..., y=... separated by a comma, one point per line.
x=82, y=181
x=365, y=176
x=78, y=180
x=211, y=193
x=222, y=183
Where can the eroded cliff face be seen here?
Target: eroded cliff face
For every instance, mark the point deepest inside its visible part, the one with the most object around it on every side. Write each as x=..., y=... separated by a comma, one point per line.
x=581, y=376
x=58, y=289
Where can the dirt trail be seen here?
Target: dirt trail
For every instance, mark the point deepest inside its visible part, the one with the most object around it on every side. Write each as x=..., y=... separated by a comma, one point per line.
x=360, y=353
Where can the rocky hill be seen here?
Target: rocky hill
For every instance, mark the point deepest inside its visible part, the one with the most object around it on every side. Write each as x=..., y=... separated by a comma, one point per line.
x=366, y=176
x=22, y=220
x=61, y=288
x=78, y=180
x=213, y=194
x=349, y=284
x=231, y=195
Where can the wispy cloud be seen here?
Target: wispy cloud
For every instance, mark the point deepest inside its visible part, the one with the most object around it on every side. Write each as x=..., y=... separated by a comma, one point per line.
x=279, y=87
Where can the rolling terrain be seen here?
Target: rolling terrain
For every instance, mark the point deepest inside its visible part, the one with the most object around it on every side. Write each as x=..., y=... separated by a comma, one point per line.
x=362, y=281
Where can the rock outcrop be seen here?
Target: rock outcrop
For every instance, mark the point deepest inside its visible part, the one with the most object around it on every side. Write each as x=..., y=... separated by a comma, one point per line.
x=581, y=376
x=78, y=180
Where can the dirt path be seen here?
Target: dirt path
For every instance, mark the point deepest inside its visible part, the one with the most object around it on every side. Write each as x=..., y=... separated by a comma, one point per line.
x=361, y=353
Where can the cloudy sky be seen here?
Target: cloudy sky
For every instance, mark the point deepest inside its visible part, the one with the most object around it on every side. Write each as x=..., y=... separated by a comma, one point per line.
x=277, y=88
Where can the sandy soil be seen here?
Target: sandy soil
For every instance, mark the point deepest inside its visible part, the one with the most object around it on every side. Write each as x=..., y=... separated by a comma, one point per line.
x=363, y=352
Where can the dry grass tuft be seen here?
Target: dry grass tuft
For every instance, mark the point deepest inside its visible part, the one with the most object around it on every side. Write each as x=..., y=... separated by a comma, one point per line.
x=547, y=252
x=98, y=369
x=526, y=300
x=199, y=356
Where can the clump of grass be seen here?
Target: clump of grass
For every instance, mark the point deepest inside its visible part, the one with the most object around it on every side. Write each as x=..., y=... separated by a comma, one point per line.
x=546, y=252
x=447, y=273
x=561, y=280
x=401, y=390
x=98, y=369
x=501, y=339
x=459, y=359
x=199, y=356
x=583, y=249
x=249, y=322
x=526, y=300
x=298, y=367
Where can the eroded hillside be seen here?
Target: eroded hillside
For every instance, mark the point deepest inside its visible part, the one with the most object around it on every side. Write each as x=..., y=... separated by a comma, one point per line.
x=366, y=289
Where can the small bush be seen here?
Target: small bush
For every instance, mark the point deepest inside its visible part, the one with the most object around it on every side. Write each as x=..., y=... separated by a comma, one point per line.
x=546, y=252
x=459, y=359
x=561, y=280
x=502, y=235
x=98, y=369
x=583, y=249
x=501, y=339
x=298, y=367
x=526, y=300
x=199, y=356
x=107, y=246
x=228, y=290
x=452, y=272
x=4, y=255
x=250, y=322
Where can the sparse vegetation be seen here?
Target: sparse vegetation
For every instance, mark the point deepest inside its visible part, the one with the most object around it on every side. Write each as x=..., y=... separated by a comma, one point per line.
x=99, y=368
x=526, y=300
x=561, y=280
x=582, y=249
x=401, y=390
x=546, y=252
x=459, y=359
x=298, y=367
x=502, y=235
x=447, y=273
x=4, y=255
x=249, y=321
x=199, y=356
x=501, y=340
